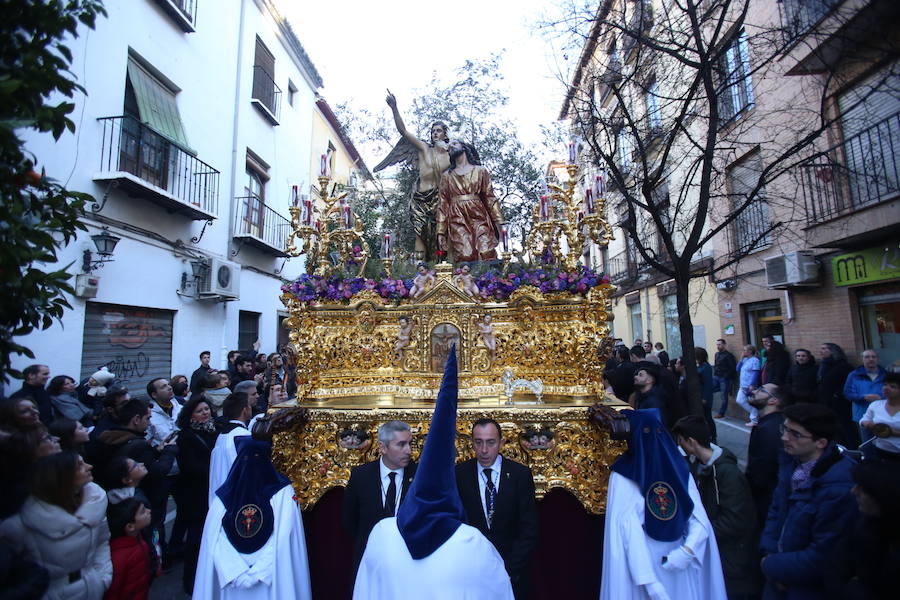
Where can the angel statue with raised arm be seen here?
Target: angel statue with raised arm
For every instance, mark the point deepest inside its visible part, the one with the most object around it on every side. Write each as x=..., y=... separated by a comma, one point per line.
x=431, y=159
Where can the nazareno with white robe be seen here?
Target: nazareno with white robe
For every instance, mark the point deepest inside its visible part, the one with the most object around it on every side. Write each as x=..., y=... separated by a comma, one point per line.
x=253, y=545
x=427, y=552
x=222, y=457
x=632, y=558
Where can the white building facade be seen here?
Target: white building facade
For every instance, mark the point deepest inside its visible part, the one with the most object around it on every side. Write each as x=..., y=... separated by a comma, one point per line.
x=195, y=128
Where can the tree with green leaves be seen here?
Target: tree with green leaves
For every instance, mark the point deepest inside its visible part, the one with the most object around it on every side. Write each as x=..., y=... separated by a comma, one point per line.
x=472, y=106
x=40, y=216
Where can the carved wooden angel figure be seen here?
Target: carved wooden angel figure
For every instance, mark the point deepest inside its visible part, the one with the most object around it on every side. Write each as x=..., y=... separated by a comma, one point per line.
x=403, y=337
x=486, y=328
x=464, y=281
x=422, y=282
x=430, y=160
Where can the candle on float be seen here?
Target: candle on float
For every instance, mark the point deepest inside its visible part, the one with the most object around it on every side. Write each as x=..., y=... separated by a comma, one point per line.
x=580, y=217
x=323, y=165
x=386, y=246
x=295, y=198
x=346, y=216
x=504, y=238
x=318, y=226
x=598, y=185
x=589, y=201
x=307, y=219
x=571, y=153
x=544, y=210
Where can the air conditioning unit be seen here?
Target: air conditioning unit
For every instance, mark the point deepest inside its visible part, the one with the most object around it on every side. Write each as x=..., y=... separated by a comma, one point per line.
x=222, y=281
x=797, y=268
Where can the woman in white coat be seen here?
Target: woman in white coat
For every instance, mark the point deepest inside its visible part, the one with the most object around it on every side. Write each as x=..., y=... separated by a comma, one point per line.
x=62, y=527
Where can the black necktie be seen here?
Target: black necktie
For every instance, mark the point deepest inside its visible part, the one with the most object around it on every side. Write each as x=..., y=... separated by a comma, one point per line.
x=489, y=492
x=390, y=499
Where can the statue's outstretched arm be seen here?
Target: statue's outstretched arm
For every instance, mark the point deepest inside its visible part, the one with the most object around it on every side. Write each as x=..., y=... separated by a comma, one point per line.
x=401, y=127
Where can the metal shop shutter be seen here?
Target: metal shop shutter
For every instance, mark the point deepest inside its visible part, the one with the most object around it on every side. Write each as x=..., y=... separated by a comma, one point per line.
x=133, y=342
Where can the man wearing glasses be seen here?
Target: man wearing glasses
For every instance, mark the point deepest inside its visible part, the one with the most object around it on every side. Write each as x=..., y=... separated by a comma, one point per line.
x=812, y=507
x=765, y=447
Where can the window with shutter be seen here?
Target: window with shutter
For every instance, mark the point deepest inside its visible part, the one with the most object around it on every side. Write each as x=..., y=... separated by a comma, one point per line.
x=870, y=123
x=750, y=226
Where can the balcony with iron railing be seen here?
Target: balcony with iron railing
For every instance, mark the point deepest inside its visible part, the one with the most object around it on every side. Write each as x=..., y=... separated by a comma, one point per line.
x=621, y=268
x=183, y=12
x=861, y=172
x=266, y=96
x=750, y=231
x=819, y=34
x=800, y=16
x=148, y=165
x=259, y=225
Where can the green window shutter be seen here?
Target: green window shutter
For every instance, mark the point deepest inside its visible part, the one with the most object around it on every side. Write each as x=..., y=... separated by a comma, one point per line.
x=156, y=105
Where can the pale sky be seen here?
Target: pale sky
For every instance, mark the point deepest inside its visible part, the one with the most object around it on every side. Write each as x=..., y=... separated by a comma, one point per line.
x=360, y=48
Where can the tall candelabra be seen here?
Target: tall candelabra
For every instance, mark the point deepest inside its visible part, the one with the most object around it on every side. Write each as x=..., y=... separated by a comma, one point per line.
x=326, y=226
x=577, y=221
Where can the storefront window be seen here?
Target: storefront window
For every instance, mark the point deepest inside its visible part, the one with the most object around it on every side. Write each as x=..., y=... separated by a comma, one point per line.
x=763, y=318
x=637, y=325
x=670, y=319
x=880, y=315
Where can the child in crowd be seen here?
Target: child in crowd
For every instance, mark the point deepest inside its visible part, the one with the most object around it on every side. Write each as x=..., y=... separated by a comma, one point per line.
x=123, y=476
x=134, y=564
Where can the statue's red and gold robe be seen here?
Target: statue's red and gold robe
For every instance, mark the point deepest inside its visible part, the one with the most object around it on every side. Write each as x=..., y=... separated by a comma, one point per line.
x=468, y=215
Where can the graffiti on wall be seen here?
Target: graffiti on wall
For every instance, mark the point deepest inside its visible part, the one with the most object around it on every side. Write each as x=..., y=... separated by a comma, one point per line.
x=133, y=343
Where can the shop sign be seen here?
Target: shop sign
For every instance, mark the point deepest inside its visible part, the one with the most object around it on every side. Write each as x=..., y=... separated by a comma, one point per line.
x=866, y=266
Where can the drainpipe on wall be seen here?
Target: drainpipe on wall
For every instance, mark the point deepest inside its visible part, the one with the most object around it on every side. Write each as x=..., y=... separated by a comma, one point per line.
x=234, y=127
x=234, y=170
x=788, y=306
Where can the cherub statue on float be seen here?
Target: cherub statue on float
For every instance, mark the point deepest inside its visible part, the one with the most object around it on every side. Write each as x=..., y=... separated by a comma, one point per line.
x=464, y=281
x=486, y=328
x=422, y=282
x=403, y=337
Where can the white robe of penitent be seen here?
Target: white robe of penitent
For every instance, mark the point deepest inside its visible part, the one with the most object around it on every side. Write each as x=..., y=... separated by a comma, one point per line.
x=632, y=559
x=223, y=456
x=465, y=567
x=277, y=571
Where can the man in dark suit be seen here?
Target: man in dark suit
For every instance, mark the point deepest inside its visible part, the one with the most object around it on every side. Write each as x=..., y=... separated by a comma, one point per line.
x=376, y=489
x=498, y=496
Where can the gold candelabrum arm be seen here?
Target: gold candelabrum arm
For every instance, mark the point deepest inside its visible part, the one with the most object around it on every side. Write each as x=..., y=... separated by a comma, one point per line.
x=324, y=226
x=570, y=222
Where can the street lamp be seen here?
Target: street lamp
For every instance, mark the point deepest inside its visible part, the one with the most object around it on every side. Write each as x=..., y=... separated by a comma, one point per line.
x=106, y=245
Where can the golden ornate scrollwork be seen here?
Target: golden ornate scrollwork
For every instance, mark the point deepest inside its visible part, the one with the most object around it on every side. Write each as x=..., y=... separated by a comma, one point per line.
x=578, y=461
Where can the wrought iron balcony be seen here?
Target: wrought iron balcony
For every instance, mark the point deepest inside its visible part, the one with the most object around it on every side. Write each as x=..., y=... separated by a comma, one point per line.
x=799, y=16
x=261, y=226
x=183, y=12
x=862, y=171
x=266, y=95
x=148, y=165
x=620, y=268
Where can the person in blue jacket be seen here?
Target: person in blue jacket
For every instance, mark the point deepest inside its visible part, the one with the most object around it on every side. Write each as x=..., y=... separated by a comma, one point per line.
x=812, y=508
x=864, y=384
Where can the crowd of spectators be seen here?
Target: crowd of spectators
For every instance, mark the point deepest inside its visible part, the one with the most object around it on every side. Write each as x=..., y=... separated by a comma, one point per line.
x=90, y=470
x=811, y=516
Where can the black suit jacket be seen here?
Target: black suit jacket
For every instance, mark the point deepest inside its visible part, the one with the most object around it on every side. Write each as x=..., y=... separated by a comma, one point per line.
x=515, y=526
x=362, y=507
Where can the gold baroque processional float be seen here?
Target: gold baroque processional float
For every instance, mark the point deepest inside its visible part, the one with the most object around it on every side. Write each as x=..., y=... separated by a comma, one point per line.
x=531, y=357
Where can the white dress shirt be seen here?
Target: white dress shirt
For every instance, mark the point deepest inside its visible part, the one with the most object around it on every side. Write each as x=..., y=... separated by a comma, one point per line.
x=482, y=482
x=386, y=481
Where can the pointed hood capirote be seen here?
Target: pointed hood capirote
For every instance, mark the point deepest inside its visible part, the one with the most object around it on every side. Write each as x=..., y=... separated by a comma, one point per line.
x=247, y=493
x=653, y=462
x=432, y=510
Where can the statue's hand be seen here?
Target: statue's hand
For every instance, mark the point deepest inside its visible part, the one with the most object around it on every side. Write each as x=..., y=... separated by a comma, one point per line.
x=391, y=100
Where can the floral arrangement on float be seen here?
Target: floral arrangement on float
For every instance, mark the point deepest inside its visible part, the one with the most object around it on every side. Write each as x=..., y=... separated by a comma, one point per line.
x=493, y=285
